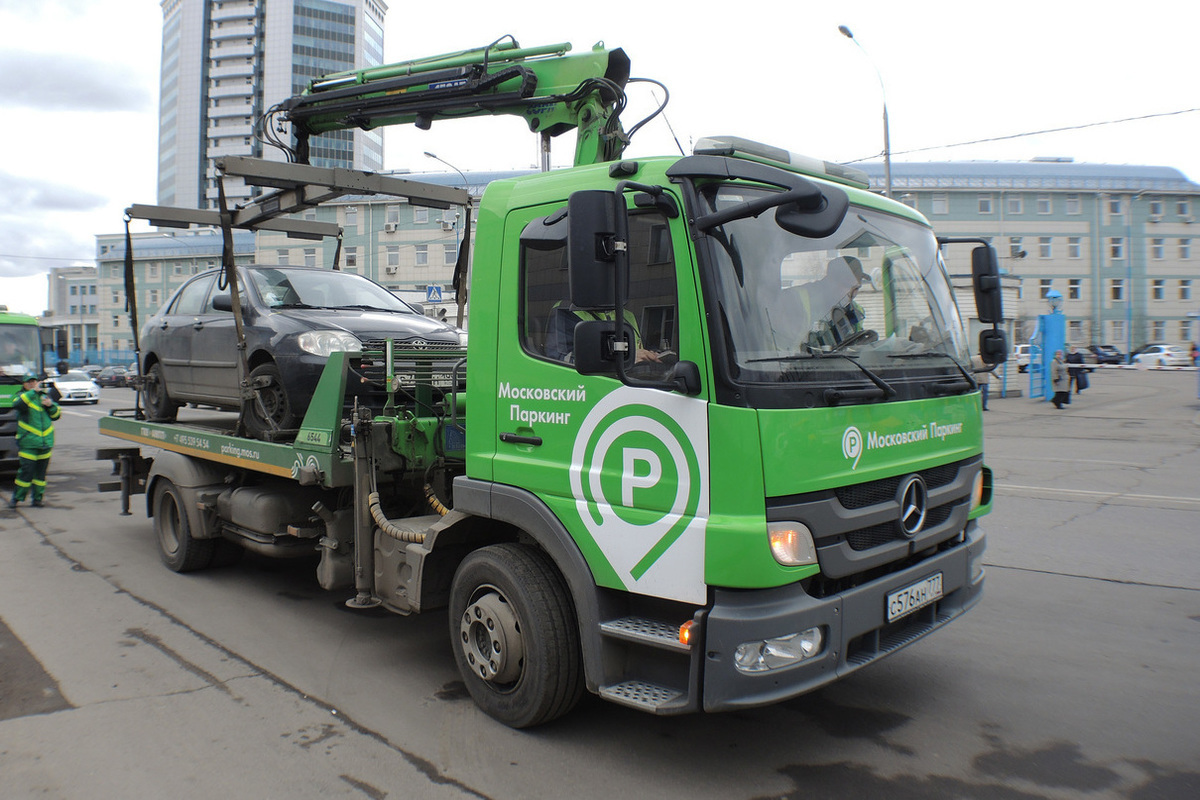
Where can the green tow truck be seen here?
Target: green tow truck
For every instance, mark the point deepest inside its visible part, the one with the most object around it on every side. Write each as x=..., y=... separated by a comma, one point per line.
x=20, y=355
x=719, y=443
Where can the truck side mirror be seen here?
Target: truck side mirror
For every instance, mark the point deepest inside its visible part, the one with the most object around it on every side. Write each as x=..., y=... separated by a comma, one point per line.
x=993, y=346
x=595, y=347
x=985, y=275
x=591, y=258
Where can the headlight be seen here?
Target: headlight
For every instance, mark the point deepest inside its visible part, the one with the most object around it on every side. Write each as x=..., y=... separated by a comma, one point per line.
x=783, y=651
x=791, y=543
x=462, y=338
x=322, y=343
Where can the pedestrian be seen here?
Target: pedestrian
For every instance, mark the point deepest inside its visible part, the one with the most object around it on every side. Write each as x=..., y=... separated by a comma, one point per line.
x=983, y=376
x=1077, y=373
x=1060, y=380
x=36, y=413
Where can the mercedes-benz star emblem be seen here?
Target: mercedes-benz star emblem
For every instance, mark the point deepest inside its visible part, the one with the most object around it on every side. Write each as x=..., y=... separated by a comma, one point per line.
x=914, y=503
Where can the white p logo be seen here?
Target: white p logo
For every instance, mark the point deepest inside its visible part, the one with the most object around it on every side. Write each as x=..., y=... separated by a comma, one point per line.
x=852, y=445
x=630, y=477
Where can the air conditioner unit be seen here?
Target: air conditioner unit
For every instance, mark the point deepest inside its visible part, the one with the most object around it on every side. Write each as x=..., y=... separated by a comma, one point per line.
x=389, y=227
x=390, y=270
x=447, y=226
x=1189, y=219
x=1155, y=217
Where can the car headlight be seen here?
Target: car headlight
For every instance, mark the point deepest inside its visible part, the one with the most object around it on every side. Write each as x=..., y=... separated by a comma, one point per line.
x=322, y=343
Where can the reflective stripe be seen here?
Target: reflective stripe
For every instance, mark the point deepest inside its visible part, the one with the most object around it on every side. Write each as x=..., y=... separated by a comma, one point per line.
x=22, y=484
x=35, y=431
x=36, y=482
x=32, y=457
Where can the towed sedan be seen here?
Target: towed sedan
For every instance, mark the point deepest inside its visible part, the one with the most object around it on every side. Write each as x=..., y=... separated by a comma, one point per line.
x=75, y=387
x=293, y=318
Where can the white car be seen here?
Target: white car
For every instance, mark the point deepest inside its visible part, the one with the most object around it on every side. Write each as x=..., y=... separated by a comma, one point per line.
x=75, y=387
x=1020, y=357
x=1162, y=355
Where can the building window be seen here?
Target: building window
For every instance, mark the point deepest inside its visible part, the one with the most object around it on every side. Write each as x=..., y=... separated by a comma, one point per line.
x=1158, y=330
x=74, y=309
x=1116, y=248
x=450, y=254
x=1158, y=289
x=1185, y=248
x=1046, y=284
x=420, y=215
x=1075, y=330
x=393, y=214
x=1117, y=331
x=1117, y=292
x=909, y=200
x=351, y=216
x=985, y=204
x=74, y=290
x=1014, y=204
x=940, y=203
x=1183, y=207
x=177, y=269
x=393, y=255
x=1074, y=247
x=1074, y=204
x=1044, y=204
x=310, y=214
x=1014, y=247
x=310, y=256
x=1044, y=249
x=352, y=258
x=152, y=296
x=422, y=255
x=1156, y=207
x=1114, y=206
x=1074, y=289
x=152, y=271
x=282, y=256
x=1185, y=330
x=1158, y=249
x=1185, y=289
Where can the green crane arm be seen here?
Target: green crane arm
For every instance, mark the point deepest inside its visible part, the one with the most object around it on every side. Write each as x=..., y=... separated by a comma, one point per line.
x=552, y=89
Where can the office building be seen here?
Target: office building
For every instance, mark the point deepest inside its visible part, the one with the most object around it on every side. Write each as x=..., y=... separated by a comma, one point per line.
x=226, y=62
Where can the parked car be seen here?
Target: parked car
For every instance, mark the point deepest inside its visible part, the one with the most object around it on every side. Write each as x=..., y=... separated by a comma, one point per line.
x=1162, y=355
x=112, y=376
x=1107, y=354
x=91, y=369
x=293, y=318
x=75, y=387
x=1021, y=357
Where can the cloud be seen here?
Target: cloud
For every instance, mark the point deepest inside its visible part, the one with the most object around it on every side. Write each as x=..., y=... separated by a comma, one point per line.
x=65, y=82
x=23, y=195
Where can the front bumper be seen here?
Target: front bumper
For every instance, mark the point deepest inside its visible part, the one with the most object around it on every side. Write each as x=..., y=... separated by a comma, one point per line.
x=854, y=621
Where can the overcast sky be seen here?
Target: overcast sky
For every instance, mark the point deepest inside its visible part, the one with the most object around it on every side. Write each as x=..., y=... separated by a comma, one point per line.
x=79, y=90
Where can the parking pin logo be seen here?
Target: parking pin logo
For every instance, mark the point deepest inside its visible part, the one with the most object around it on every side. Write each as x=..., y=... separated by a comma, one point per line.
x=852, y=445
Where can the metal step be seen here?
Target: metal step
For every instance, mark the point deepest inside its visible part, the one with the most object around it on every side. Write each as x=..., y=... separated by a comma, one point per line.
x=641, y=695
x=649, y=632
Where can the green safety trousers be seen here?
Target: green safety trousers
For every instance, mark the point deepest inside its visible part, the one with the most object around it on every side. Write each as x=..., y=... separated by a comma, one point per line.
x=31, y=473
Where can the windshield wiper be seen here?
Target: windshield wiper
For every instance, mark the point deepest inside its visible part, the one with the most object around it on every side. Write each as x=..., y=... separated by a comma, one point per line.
x=949, y=388
x=834, y=395
x=365, y=307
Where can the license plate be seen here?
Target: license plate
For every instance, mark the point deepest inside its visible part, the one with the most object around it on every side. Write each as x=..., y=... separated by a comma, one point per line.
x=910, y=598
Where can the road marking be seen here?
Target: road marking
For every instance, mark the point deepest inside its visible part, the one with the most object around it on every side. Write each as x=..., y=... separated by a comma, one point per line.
x=1115, y=497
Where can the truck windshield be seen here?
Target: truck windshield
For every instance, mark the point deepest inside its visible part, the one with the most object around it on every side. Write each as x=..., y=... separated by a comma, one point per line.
x=875, y=292
x=20, y=353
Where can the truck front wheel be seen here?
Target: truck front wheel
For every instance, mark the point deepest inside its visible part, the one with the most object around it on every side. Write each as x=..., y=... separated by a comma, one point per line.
x=515, y=638
x=179, y=551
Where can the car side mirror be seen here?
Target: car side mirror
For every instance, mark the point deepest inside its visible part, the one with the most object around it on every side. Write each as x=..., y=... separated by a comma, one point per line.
x=223, y=302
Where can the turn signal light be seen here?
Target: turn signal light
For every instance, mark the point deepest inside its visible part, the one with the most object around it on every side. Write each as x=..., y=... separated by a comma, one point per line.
x=685, y=632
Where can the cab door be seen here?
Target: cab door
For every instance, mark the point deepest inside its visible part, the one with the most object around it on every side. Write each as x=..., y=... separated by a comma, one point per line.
x=625, y=469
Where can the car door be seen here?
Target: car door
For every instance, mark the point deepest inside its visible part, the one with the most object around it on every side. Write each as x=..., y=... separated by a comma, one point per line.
x=174, y=336
x=214, y=349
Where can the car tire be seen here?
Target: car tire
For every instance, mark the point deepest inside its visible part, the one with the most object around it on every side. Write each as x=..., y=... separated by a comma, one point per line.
x=514, y=635
x=270, y=410
x=158, y=401
x=173, y=527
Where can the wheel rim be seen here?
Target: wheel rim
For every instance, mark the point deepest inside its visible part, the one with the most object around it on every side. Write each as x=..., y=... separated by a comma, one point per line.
x=168, y=514
x=490, y=638
x=271, y=403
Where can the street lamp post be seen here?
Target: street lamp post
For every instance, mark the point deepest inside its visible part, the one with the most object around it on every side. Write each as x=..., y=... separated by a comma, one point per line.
x=887, y=139
x=464, y=244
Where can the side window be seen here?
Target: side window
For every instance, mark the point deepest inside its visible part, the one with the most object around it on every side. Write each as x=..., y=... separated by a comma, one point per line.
x=547, y=319
x=208, y=307
x=191, y=297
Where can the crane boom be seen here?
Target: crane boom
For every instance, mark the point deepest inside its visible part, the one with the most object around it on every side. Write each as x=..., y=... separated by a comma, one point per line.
x=552, y=89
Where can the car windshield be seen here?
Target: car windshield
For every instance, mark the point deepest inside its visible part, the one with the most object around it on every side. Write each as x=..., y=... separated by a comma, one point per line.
x=75, y=377
x=19, y=352
x=875, y=293
x=281, y=287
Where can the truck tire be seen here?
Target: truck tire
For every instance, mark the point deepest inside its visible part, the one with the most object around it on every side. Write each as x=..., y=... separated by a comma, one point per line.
x=271, y=409
x=179, y=550
x=158, y=403
x=514, y=634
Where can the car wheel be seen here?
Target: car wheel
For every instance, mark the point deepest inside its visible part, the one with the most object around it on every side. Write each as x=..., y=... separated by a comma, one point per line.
x=270, y=410
x=515, y=640
x=158, y=402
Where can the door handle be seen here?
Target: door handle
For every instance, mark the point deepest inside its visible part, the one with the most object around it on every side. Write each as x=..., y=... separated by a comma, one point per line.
x=516, y=438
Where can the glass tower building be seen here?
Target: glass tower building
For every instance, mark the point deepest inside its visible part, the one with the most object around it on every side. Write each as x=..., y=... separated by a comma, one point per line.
x=225, y=62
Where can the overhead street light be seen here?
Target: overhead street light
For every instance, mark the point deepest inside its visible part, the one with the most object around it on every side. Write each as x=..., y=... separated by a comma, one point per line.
x=887, y=139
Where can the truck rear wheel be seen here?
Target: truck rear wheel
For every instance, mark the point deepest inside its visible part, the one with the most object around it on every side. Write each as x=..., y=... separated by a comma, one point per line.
x=513, y=628
x=179, y=550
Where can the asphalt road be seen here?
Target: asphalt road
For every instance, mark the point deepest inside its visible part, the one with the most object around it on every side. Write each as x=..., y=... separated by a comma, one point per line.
x=1074, y=678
